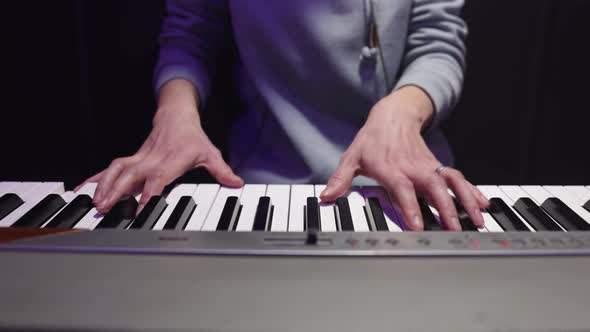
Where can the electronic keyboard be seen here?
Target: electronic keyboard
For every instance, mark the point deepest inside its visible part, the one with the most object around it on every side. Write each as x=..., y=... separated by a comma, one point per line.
x=202, y=257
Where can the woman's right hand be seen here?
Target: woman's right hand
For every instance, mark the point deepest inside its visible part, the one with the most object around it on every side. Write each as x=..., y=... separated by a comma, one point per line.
x=176, y=144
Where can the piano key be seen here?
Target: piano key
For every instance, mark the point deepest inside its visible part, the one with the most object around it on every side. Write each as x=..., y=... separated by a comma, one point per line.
x=173, y=198
x=9, y=203
x=180, y=214
x=33, y=193
x=535, y=215
x=327, y=216
x=229, y=214
x=392, y=214
x=565, y=216
x=262, y=216
x=72, y=213
x=581, y=192
x=587, y=206
x=357, y=211
x=376, y=215
x=204, y=196
x=312, y=214
x=505, y=216
x=93, y=217
x=464, y=219
x=150, y=213
x=299, y=195
x=537, y=193
x=572, y=201
x=343, y=216
x=251, y=194
x=120, y=215
x=430, y=221
x=494, y=191
x=41, y=212
x=8, y=187
x=217, y=207
x=279, y=198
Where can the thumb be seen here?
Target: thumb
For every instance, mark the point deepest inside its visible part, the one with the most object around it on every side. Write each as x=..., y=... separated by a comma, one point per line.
x=221, y=171
x=341, y=180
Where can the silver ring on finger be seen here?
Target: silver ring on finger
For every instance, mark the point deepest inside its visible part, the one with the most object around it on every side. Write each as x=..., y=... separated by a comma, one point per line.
x=439, y=169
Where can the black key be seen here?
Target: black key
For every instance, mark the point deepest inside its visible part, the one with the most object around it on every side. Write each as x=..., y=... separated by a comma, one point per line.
x=229, y=214
x=535, y=216
x=121, y=214
x=181, y=213
x=312, y=214
x=375, y=211
x=9, y=203
x=262, y=216
x=505, y=217
x=585, y=206
x=71, y=214
x=41, y=212
x=430, y=222
x=565, y=216
x=150, y=213
x=464, y=220
x=344, y=214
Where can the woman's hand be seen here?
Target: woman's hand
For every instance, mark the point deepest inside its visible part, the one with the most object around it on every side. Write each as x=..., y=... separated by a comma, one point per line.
x=176, y=144
x=390, y=149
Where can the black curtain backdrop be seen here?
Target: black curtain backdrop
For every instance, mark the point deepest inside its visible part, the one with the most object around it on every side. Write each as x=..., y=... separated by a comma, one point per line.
x=77, y=79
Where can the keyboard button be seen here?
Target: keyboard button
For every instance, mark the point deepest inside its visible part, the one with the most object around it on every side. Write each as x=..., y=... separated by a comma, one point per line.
x=565, y=216
x=376, y=215
x=312, y=214
x=40, y=213
x=263, y=214
x=571, y=200
x=505, y=216
x=343, y=215
x=279, y=195
x=357, y=210
x=535, y=216
x=181, y=214
x=181, y=190
x=249, y=199
x=299, y=195
x=430, y=222
x=9, y=203
x=229, y=214
x=150, y=213
x=391, y=213
x=72, y=213
x=327, y=213
x=31, y=193
x=120, y=215
x=217, y=208
x=494, y=191
x=464, y=220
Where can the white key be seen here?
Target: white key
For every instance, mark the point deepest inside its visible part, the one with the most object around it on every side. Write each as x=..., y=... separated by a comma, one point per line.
x=299, y=195
x=31, y=199
x=356, y=202
x=393, y=216
x=280, y=195
x=537, y=193
x=204, y=196
x=493, y=191
x=25, y=189
x=7, y=187
x=217, y=207
x=570, y=200
x=327, y=216
x=249, y=200
x=581, y=192
x=172, y=199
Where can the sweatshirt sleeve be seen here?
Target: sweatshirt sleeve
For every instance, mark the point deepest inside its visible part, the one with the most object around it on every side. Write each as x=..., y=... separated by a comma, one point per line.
x=435, y=53
x=193, y=35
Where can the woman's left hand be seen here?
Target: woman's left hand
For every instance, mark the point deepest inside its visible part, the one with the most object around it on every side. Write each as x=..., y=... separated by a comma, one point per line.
x=390, y=149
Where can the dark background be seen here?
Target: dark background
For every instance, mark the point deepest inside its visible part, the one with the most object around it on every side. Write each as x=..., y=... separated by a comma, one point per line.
x=77, y=89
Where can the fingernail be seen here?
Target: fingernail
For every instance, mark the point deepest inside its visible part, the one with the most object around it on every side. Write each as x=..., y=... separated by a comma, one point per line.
x=416, y=222
x=455, y=222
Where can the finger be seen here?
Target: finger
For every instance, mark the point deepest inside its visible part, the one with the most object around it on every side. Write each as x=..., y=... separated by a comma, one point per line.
x=152, y=187
x=92, y=179
x=126, y=183
x=221, y=171
x=404, y=193
x=443, y=202
x=107, y=180
x=464, y=192
x=481, y=198
x=342, y=178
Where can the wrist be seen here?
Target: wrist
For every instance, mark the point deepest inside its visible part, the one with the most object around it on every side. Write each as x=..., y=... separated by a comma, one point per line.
x=413, y=105
x=178, y=99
